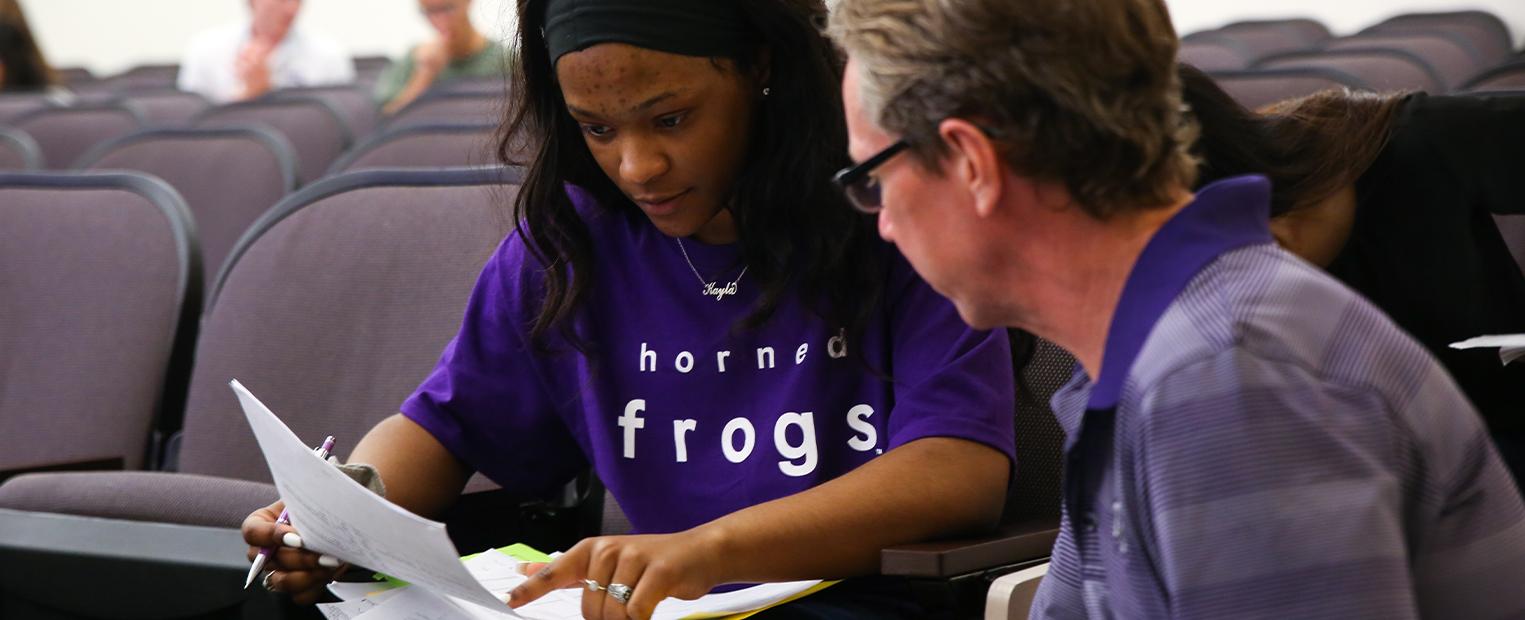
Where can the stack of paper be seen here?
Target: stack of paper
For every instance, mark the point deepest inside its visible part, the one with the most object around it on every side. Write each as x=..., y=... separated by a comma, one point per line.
x=1511, y=347
x=340, y=518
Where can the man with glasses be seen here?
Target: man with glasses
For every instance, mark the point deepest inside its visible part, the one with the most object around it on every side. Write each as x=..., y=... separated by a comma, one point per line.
x=459, y=51
x=1245, y=436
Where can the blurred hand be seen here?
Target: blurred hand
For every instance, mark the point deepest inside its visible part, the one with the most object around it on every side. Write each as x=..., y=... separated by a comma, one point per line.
x=301, y=573
x=682, y=565
x=252, y=66
x=429, y=59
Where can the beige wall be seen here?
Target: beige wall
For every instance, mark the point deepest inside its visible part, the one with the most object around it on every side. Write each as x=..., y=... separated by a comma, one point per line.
x=107, y=36
x=110, y=35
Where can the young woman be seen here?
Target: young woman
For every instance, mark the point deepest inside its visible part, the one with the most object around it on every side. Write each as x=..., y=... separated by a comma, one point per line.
x=690, y=308
x=1394, y=194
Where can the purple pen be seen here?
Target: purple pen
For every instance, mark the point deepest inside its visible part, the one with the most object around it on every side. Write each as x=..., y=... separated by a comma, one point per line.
x=285, y=518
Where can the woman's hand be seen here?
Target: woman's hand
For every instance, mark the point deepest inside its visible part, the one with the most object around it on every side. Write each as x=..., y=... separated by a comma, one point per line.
x=684, y=565
x=301, y=573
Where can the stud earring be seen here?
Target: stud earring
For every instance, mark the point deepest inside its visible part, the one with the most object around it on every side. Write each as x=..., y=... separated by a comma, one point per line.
x=767, y=91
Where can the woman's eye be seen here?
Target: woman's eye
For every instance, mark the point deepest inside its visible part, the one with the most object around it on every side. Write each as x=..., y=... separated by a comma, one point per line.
x=671, y=121
x=597, y=131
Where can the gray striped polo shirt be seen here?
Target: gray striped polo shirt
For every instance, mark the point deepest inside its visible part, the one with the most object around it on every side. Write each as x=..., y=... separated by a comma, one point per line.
x=1264, y=443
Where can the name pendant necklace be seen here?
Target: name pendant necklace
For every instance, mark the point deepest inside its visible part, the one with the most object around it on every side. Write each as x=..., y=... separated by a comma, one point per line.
x=709, y=288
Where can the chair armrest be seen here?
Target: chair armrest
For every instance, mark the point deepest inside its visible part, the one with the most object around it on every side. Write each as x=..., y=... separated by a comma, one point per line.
x=1011, y=595
x=1010, y=544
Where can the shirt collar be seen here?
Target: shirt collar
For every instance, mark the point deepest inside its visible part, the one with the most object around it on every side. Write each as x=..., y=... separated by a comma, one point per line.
x=1225, y=215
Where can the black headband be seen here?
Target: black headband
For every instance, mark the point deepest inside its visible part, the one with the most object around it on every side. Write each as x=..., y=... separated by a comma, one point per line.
x=687, y=27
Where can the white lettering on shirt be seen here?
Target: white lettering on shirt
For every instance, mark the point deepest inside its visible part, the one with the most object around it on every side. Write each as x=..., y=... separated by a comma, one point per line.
x=805, y=450
x=728, y=440
x=631, y=422
x=866, y=437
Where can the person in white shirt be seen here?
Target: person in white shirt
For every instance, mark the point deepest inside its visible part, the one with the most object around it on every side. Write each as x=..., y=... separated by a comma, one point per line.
x=248, y=59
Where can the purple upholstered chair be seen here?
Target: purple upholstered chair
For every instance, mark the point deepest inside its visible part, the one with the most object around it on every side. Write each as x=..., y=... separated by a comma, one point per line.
x=166, y=107
x=313, y=126
x=1255, y=89
x=100, y=285
x=229, y=176
x=1485, y=31
x=65, y=133
x=18, y=151
x=1213, y=55
x=354, y=103
x=1382, y=70
x=1451, y=57
x=448, y=108
x=423, y=146
x=1503, y=77
x=336, y=305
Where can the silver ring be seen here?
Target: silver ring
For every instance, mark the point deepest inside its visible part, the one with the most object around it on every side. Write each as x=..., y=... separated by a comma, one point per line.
x=619, y=592
x=592, y=585
x=266, y=581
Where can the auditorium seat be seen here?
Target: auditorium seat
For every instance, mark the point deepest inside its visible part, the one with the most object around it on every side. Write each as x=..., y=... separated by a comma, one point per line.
x=228, y=176
x=14, y=105
x=1213, y=56
x=353, y=102
x=1257, y=88
x=432, y=145
x=1487, y=33
x=313, y=126
x=337, y=304
x=1382, y=70
x=100, y=285
x=18, y=151
x=1451, y=57
x=1257, y=40
x=1509, y=76
x=65, y=133
x=166, y=107
x=1309, y=32
x=491, y=86
x=448, y=108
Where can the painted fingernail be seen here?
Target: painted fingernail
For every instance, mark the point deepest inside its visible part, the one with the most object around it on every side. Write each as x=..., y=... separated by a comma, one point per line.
x=290, y=539
x=328, y=561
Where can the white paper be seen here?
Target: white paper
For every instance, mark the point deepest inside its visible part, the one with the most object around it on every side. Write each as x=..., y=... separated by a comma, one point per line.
x=338, y=517
x=1511, y=346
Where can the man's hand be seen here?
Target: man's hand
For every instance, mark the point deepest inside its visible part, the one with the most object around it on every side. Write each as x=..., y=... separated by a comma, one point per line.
x=253, y=67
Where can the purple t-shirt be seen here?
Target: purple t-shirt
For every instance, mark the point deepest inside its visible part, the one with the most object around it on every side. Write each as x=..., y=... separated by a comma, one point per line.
x=684, y=417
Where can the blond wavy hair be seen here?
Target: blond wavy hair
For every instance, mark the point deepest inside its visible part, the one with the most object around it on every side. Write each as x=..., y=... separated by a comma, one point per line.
x=1080, y=92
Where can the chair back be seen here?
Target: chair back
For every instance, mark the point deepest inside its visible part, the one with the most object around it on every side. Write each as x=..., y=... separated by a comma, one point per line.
x=1306, y=31
x=336, y=305
x=1509, y=76
x=1213, y=56
x=448, y=108
x=228, y=176
x=354, y=103
x=1382, y=70
x=99, y=288
x=18, y=151
x=1451, y=57
x=145, y=77
x=1257, y=88
x=166, y=107
x=423, y=146
x=1256, y=41
x=1485, y=31
x=66, y=133
x=13, y=106
x=315, y=129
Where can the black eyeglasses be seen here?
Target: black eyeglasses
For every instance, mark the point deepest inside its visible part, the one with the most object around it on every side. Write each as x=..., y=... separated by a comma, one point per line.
x=861, y=188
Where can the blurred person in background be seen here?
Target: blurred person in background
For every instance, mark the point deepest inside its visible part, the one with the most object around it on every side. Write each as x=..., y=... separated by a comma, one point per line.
x=22, y=65
x=459, y=51
x=250, y=58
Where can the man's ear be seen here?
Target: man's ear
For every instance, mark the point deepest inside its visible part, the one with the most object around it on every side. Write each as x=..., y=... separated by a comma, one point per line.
x=973, y=161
